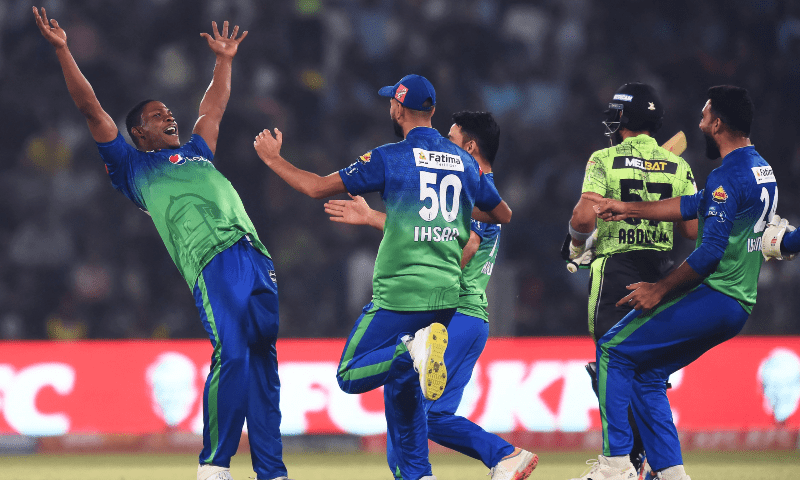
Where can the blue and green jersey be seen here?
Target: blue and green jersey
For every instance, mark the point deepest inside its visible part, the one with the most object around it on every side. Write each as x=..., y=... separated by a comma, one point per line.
x=429, y=186
x=195, y=209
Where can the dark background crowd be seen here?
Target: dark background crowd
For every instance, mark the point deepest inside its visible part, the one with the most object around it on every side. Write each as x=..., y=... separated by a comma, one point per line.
x=78, y=260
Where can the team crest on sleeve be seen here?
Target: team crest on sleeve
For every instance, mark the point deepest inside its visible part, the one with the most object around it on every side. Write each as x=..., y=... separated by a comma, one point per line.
x=719, y=195
x=400, y=94
x=366, y=157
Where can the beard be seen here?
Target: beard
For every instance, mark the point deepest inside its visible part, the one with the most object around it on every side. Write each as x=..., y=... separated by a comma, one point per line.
x=398, y=130
x=712, y=147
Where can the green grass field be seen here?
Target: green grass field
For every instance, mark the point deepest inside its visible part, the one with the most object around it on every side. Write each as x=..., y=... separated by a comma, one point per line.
x=358, y=466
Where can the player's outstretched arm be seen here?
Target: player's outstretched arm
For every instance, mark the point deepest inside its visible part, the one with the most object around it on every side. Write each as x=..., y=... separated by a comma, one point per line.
x=101, y=125
x=355, y=212
x=668, y=210
x=213, y=104
x=268, y=149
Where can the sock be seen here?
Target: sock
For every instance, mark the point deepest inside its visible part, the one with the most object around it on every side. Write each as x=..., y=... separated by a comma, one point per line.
x=676, y=472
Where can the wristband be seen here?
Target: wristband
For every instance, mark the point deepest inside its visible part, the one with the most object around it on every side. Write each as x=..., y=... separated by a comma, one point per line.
x=579, y=236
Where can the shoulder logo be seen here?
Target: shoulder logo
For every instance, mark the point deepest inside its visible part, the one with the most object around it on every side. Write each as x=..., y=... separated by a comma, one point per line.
x=366, y=157
x=763, y=174
x=400, y=94
x=177, y=159
x=719, y=195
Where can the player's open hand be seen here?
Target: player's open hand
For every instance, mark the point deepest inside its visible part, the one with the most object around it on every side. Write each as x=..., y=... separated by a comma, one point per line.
x=354, y=212
x=50, y=29
x=268, y=147
x=222, y=43
x=643, y=297
x=610, y=210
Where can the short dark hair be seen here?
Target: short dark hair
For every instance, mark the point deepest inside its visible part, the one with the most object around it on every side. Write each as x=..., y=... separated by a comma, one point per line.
x=134, y=119
x=733, y=106
x=481, y=127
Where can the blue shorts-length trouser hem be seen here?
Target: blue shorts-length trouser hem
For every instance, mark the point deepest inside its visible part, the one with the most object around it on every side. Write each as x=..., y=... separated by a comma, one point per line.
x=636, y=357
x=375, y=355
x=467, y=337
x=238, y=303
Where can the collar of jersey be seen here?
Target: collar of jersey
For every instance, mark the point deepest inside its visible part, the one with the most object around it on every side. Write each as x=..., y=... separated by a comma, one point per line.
x=641, y=138
x=422, y=131
x=734, y=154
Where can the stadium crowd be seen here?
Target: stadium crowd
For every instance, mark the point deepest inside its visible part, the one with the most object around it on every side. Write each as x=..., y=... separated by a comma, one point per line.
x=78, y=261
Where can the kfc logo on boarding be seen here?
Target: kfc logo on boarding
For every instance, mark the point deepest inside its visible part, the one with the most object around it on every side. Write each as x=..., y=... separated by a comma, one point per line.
x=177, y=159
x=19, y=390
x=400, y=95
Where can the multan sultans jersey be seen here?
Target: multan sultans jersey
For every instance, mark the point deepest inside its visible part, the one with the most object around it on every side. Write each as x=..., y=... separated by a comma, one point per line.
x=429, y=186
x=476, y=273
x=740, y=197
x=636, y=170
x=195, y=209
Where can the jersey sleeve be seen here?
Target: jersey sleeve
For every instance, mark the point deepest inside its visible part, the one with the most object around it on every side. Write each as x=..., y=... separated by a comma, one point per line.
x=367, y=174
x=198, y=146
x=689, y=205
x=488, y=197
x=478, y=227
x=720, y=206
x=595, y=178
x=118, y=157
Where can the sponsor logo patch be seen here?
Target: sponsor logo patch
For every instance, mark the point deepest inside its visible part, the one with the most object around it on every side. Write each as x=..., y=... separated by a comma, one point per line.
x=400, y=94
x=438, y=160
x=763, y=174
x=661, y=166
x=624, y=97
x=366, y=157
x=719, y=195
x=177, y=159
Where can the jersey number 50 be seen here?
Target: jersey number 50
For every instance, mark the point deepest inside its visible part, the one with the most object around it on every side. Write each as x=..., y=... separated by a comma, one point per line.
x=439, y=201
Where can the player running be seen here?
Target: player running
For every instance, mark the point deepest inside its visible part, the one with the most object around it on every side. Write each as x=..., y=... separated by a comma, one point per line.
x=479, y=135
x=212, y=241
x=429, y=186
x=632, y=250
x=702, y=303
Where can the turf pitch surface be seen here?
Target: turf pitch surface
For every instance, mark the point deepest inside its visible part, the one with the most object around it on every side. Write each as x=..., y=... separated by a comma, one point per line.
x=749, y=465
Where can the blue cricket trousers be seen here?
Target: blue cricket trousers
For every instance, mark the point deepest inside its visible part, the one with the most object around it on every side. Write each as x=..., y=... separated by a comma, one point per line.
x=237, y=298
x=375, y=355
x=636, y=357
x=467, y=337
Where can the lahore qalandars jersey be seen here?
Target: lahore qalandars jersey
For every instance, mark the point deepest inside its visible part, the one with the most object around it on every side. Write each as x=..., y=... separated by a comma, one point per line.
x=429, y=186
x=740, y=197
x=195, y=208
x=477, y=272
x=636, y=170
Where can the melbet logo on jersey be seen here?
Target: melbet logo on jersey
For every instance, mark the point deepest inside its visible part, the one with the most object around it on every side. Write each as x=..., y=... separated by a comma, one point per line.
x=719, y=195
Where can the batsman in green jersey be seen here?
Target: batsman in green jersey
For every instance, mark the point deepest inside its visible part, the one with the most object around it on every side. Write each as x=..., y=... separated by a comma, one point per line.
x=635, y=168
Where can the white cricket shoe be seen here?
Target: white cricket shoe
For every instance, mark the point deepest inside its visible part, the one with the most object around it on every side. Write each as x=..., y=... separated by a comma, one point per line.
x=213, y=472
x=601, y=470
x=427, y=351
x=517, y=466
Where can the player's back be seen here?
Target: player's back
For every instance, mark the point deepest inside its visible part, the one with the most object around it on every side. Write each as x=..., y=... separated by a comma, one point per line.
x=742, y=195
x=431, y=186
x=636, y=170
